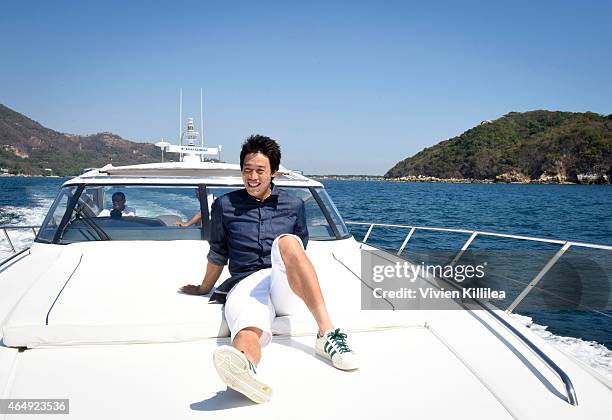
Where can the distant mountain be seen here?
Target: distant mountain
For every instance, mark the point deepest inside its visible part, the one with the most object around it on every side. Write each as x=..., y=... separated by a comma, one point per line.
x=26, y=147
x=535, y=146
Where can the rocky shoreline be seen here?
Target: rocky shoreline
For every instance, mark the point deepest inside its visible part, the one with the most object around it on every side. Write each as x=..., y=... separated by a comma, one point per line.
x=514, y=178
x=348, y=177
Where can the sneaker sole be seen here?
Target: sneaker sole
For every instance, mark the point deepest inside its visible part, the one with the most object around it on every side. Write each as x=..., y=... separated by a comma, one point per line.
x=234, y=371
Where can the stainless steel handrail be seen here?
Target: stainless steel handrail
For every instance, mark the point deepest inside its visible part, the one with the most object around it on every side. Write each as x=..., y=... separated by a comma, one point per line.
x=17, y=227
x=12, y=257
x=567, y=382
x=564, y=377
x=565, y=245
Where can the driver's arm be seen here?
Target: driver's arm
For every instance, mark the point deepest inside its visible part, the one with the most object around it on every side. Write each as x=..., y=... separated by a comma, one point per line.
x=195, y=219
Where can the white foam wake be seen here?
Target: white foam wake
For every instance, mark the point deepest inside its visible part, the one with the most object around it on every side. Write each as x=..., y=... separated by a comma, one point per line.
x=26, y=216
x=592, y=353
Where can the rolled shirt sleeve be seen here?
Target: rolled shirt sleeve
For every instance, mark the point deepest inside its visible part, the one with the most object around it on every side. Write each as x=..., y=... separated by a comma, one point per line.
x=301, y=228
x=218, y=253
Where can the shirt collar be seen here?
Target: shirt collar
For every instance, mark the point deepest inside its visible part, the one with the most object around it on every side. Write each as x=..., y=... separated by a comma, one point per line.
x=274, y=189
x=274, y=192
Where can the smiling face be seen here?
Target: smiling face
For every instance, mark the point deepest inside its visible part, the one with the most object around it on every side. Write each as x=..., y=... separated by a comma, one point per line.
x=118, y=203
x=257, y=175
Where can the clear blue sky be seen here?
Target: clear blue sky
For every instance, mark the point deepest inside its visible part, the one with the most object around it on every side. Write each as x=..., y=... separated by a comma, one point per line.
x=346, y=87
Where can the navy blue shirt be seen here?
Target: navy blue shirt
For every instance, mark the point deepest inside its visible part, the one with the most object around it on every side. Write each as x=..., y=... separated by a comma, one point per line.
x=243, y=228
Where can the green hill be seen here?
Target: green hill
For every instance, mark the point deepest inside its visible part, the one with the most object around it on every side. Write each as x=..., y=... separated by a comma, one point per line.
x=26, y=147
x=538, y=146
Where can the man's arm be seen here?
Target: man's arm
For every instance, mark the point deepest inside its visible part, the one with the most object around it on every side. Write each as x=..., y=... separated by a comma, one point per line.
x=219, y=251
x=217, y=255
x=213, y=271
x=195, y=219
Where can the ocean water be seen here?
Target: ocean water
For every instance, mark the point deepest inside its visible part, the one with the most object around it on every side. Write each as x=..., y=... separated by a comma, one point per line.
x=567, y=212
x=24, y=201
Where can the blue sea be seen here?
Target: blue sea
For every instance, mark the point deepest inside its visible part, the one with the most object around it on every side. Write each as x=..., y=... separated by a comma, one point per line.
x=568, y=212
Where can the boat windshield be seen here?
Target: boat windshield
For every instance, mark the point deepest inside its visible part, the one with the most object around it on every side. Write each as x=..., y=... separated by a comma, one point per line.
x=161, y=213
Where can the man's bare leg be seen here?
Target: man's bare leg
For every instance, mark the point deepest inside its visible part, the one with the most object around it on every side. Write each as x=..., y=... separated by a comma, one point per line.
x=247, y=341
x=303, y=280
x=235, y=365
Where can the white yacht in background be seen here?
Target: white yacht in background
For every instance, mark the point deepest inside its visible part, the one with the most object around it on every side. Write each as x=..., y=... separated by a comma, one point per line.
x=91, y=312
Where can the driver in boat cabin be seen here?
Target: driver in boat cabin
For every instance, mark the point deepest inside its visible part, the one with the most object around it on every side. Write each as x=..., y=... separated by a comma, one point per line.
x=119, y=207
x=262, y=231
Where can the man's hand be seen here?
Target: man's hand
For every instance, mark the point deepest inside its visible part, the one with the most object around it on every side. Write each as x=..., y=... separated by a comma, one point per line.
x=192, y=289
x=213, y=271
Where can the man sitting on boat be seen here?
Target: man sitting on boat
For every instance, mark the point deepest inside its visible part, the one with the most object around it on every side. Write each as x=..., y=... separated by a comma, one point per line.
x=262, y=231
x=119, y=208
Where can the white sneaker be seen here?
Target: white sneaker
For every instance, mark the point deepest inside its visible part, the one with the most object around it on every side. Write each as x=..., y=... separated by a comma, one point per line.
x=332, y=346
x=239, y=374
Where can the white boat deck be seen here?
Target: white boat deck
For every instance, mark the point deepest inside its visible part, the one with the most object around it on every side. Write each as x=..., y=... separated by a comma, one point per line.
x=120, y=342
x=179, y=381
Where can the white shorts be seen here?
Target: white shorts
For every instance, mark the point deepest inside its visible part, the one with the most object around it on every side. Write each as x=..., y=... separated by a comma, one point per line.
x=258, y=298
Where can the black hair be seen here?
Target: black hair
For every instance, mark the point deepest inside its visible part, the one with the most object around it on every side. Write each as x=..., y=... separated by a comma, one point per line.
x=257, y=143
x=118, y=194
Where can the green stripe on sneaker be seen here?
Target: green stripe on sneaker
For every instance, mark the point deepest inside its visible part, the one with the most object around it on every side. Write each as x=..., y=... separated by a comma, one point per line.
x=332, y=353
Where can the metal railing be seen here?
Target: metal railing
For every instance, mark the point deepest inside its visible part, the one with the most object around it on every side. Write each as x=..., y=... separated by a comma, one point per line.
x=565, y=246
x=564, y=377
x=6, y=228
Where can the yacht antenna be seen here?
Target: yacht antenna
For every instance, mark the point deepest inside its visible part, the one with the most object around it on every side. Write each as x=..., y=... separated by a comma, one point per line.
x=181, y=121
x=190, y=152
x=201, y=124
